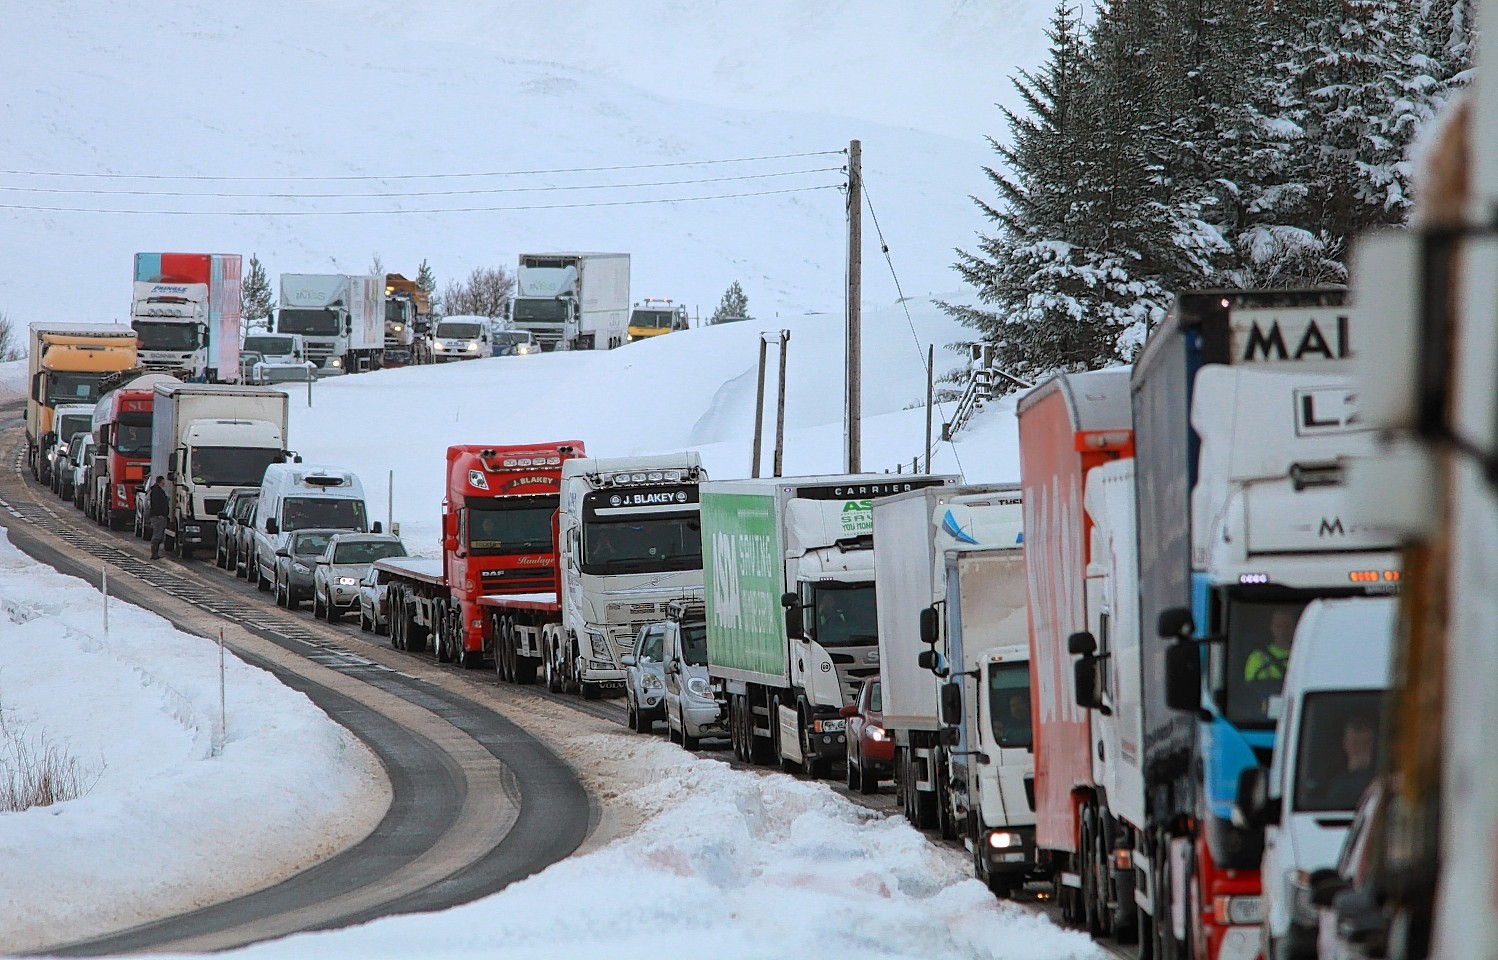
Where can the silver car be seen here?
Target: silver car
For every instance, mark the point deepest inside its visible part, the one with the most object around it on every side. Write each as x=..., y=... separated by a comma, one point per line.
x=692, y=712
x=296, y=560
x=374, y=615
x=343, y=563
x=644, y=679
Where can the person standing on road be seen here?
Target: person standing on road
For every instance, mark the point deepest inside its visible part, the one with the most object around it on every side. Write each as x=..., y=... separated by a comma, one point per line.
x=157, y=515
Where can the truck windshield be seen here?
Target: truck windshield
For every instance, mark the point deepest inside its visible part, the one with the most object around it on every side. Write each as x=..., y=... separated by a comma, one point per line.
x=269, y=346
x=335, y=513
x=1009, y=704
x=509, y=525
x=1250, y=670
x=459, y=331
x=1339, y=734
x=694, y=643
x=67, y=386
x=300, y=320
x=643, y=545
x=367, y=551
x=232, y=466
x=156, y=335
x=651, y=319
x=844, y=615
x=536, y=310
x=132, y=435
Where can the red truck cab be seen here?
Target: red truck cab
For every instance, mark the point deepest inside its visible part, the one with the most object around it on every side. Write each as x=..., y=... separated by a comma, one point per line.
x=122, y=431
x=499, y=526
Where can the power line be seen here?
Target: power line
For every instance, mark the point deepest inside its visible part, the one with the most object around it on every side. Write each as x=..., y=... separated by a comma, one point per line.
x=414, y=176
x=362, y=213
x=416, y=193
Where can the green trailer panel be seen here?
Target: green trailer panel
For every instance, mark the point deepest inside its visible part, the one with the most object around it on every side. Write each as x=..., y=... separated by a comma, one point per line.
x=743, y=572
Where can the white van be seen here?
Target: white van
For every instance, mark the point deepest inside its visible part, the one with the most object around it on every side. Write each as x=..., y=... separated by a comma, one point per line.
x=1326, y=752
x=462, y=338
x=303, y=496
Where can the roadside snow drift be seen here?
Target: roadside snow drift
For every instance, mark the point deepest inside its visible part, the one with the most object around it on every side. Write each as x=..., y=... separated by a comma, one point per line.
x=166, y=823
x=730, y=864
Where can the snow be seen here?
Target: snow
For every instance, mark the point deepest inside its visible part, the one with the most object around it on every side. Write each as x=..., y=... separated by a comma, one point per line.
x=162, y=824
x=727, y=865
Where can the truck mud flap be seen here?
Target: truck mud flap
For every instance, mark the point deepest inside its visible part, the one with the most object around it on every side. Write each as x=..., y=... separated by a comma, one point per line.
x=790, y=734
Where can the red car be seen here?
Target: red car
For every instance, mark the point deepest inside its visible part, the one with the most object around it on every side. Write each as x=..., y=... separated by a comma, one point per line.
x=871, y=750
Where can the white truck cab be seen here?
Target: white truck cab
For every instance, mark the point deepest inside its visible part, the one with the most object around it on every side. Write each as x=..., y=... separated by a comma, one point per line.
x=1329, y=722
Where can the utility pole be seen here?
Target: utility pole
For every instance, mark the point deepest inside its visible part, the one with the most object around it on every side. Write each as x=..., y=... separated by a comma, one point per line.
x=930, y=397
x=759, y=409
x=854, y=392
x=785, y=338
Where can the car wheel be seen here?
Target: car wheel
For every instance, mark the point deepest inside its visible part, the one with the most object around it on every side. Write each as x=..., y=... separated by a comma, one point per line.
x=631, y=718
x=261, y=582
x=853, y=779
x=318, y=610
x=331, y=613
x=868, y=780
x=280, y=596
x=363, y=620
x=688, y=742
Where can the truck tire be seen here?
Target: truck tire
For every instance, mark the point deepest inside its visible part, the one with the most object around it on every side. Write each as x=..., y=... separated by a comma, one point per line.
x=1087, y=866
x=441, y=634
x=590, y=691
x=813, y=766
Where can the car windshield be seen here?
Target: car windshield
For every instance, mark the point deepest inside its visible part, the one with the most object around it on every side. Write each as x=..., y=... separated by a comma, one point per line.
x=642, y=545
x=367, y=551
x=299, y=320
x=650, y=644
x=66, y=386
x=540, y=311
x=155, y=335
x=310, y=544
x=844, y=615
x=508, y=525
x=231, y=466
x=459, y=331
x=132, y=435
x=1009, y=703
x=694, y=643
x=1257, y=653
x=510, y=338
x=269, y=346
x=337, y=513
x=1338, y=750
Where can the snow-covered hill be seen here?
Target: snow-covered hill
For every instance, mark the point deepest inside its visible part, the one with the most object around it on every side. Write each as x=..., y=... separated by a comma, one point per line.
x=375, y=88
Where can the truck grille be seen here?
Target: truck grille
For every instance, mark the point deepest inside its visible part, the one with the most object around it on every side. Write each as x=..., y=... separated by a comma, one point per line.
x=319, y=353
x=517, y=581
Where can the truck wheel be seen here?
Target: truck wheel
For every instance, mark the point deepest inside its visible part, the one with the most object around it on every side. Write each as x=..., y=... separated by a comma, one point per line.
x=813, y=766
x=440, y=638
x=525, y=670
x=472, y=659
x=1087, y=866
x=591, y=691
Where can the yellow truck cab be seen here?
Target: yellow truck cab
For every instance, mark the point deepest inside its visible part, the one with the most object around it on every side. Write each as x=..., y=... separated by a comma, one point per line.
x=68, y=361
x=652, y=317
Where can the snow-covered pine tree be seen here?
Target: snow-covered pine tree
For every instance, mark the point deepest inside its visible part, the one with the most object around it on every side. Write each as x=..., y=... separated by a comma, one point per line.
x=426, y=281
x=255, y=301
x=733, y=306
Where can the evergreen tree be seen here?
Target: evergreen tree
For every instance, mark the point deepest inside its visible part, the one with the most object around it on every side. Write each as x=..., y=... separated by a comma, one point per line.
x=255, y=301
x=426, y=282
x=733, y=306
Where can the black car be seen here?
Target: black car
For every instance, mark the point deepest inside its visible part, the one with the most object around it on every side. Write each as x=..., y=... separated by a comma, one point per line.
x=237, y=509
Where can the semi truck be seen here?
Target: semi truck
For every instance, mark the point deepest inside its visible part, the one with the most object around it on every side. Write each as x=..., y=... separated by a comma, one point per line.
x=185, y=308
x=573, y=301
x=122, y=436
x=950, y=567
x=408, y=329
x=68, y=362
x=788, y=566
x=341, y=318
x=207, y=440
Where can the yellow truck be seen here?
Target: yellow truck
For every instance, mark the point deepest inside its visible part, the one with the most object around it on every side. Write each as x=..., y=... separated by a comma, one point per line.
x=653, y=317
x=68, y=361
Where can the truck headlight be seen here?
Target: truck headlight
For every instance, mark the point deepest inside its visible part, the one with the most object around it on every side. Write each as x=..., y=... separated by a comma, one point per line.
x=335, y=361
x=1003, y=840
x=600, y=644
x=1237, y=911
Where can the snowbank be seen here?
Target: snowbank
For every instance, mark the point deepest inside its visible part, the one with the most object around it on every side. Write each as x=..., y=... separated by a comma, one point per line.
x=171, y=820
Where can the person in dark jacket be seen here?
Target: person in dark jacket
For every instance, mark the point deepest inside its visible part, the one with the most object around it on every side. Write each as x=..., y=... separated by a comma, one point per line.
x=157, y=515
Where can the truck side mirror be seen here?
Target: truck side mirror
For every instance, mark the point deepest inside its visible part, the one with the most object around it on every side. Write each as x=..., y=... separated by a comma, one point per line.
x=171, y=465
x=928, y=660
x=794, y=628
x=36, y=386
x=951, y=704
x=271, y=526
x=930, y=626
x=1253, y=807
x=1084, y=678
x=1175, y=623
x=1083, y=644
x=1183, y=677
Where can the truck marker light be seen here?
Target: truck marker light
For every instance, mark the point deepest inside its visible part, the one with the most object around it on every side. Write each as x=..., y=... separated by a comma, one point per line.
x=1123, y=859
x=1392, y=576
x=1364, y=576
x=1253, y=578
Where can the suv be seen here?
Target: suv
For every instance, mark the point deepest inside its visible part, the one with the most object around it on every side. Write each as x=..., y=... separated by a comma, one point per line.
x=348, y=556
x=239, y=506
x=644, y=679
x=692, y=712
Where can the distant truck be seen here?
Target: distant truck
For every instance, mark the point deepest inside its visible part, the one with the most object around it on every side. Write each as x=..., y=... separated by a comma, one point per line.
x=122, y=438
x=341, y=318
x=68, y=362
x=208, y=439
x=950, y=568
x=185, y=309
x=408, y=328
x=792, y=631
x=573, y=301
x=652, y=317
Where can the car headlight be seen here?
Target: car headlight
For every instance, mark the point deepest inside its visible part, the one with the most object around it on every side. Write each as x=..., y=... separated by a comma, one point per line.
x=650, y=682
x=699, y=686
x=473, y=346
x=347, y=581
x=301, y=567
x=877, y=734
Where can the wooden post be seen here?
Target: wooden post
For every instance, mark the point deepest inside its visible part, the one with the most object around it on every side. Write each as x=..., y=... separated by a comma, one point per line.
x=854, y=390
